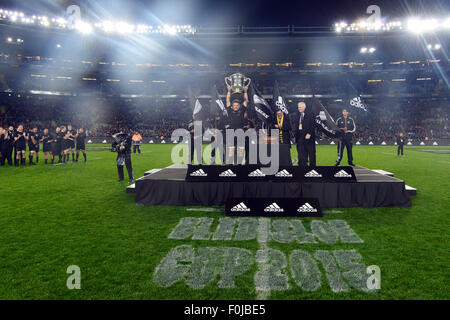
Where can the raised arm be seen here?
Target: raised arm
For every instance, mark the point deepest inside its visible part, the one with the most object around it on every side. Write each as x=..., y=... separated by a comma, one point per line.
x=245, y=103
x=228, y=96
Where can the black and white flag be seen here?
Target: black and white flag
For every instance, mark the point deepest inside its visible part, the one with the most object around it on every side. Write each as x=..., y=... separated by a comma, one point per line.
x=197, y=109
x=324, y=121
x=355, y=101
x=217, y=107
x=278, y=99
x=260, y=105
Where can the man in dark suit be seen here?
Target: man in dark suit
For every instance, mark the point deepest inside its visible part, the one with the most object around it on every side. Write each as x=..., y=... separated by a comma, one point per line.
x=400, y=144
x=284, y=137
x=305, y=136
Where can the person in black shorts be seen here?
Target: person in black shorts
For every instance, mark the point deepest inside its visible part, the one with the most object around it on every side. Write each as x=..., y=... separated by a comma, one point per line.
x=237, y=119
x=47, y=145
x=7, y=146
x=20, y=146
x=33, y=145
x=81, y=143
x=65, y=144
x=56, y=141
x=71, y=142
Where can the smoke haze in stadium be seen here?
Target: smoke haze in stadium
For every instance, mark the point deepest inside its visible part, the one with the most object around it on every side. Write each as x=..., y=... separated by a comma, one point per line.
x=233, y=12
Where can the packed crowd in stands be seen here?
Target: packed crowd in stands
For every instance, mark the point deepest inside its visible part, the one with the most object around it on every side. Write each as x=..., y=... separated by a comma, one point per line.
x=417, y=119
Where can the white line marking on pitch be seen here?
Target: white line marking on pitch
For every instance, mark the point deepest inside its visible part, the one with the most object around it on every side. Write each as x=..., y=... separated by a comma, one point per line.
x=262, y=240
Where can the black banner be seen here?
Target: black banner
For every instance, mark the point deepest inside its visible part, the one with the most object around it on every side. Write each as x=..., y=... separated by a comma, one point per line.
x=273, y=207
x=251, y=173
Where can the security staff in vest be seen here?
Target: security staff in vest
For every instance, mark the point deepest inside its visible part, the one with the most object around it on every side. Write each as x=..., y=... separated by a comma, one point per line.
x=400, y=143
x=305, y=136
x=348, y=127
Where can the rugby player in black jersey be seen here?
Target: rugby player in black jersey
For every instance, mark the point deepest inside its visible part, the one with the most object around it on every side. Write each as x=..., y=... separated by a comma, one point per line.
x=72, y=135
x=20, y=139
x=33, y=145
x=81, y=143
x=236, y=120
x=56, y=140
x=47, y=145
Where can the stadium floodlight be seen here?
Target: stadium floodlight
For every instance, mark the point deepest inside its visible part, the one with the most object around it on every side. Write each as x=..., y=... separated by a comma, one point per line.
x=58, y=45
x=446, y=23
x=437, y=46
x=372, y=50
x=83, y=27
x=420, y=26
x=9, y=39
x=123, y=27
x=363, y=50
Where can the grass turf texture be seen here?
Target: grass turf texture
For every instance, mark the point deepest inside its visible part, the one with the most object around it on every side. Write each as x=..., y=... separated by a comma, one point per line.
x=77, y=214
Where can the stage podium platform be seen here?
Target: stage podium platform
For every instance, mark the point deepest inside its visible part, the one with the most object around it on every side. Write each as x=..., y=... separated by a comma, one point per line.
x=371, y=189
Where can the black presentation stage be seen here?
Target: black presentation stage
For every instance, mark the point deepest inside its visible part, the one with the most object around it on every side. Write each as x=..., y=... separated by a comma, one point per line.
x=370, y=189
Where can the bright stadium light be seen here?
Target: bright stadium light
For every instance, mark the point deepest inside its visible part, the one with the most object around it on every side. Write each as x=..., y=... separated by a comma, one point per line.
x=363, y=50
x=9, y=39
x=372, y=50
x=420, y=26
x=437, y=46
x=83, y=27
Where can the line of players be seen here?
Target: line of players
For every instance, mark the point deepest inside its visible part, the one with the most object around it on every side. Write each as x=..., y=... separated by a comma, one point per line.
x=59, y=142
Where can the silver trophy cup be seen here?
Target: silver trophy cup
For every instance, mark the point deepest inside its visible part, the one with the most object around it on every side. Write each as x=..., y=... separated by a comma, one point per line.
x=237, y=81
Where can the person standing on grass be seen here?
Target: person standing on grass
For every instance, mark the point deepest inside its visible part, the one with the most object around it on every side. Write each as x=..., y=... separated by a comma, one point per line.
x=137, y=140
x=72, y=135
x=8, y=143
x=81, y=143
x=33, y=145
x=400, y=143
x=20, y=145
x=47, y=145
x=124, y=157
x=57, y=144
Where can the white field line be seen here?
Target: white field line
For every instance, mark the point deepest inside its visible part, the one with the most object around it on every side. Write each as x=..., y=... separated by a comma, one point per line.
x=262, y=237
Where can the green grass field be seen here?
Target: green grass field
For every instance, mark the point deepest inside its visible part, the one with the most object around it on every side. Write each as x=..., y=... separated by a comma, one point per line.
x=78, y=214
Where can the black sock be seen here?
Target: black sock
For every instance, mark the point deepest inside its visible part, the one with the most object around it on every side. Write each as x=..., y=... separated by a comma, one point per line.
x=59, y=159
x=53, y=160
x=22, y=161
x=45, y=161
x=84, y=155
x=31, y=159
x=73, y=156
x=78, y=156
x=37, y=159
